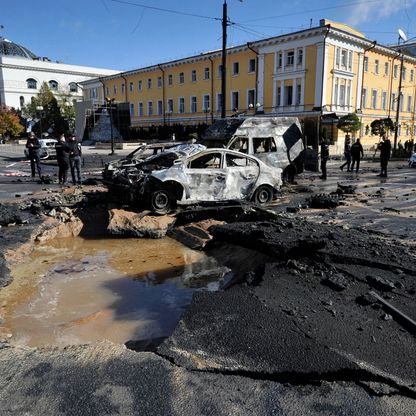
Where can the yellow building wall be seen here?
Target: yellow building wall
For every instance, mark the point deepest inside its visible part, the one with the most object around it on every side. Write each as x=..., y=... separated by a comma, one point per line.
x=310, y=66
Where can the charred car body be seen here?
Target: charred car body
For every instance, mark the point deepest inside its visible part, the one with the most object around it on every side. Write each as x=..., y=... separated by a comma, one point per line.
x=188, y=174
x=277, y=141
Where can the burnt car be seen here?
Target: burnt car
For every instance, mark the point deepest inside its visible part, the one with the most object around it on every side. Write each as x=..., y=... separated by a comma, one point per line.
x=192, y=174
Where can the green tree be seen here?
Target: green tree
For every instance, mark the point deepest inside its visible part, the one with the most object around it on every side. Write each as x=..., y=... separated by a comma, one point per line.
x=9, y=123
x=349, y=123
x=381, y=126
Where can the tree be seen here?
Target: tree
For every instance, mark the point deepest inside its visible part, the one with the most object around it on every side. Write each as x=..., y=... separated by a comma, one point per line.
x=349, y=123
x=9, y=123
x=381, y=126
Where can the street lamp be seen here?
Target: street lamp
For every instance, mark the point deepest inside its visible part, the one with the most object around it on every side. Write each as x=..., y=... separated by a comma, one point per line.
x=109, y=102
x=39, y=109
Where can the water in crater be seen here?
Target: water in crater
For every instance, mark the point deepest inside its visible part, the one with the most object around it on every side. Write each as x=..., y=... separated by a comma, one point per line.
x=75, y=291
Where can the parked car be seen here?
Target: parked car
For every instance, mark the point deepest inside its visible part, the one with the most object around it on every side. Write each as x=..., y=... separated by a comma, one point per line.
x=277, y=141
x=47, y=149
x=194, y=175
x=412, y=160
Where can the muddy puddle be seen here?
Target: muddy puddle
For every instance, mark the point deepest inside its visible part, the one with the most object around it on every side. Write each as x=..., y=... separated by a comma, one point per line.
x=75, y=291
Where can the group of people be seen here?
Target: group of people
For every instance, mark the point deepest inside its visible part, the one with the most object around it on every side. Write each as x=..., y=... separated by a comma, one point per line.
x=68, y=156
x=353, y=154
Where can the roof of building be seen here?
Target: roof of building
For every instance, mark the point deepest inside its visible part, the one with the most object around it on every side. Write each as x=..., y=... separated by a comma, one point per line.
x=9, y=48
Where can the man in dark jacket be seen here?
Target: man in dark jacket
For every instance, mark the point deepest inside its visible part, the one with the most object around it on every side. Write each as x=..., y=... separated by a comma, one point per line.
x=75, y=154
x=62, y=157
x=385, y=149
x=324, y=158
x=33, y=147
x=347, y=154
x=357, y=152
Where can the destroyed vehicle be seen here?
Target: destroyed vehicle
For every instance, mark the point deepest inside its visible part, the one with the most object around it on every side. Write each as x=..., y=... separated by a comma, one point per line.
x=412, y=161
x=201, y=176
x=47, y=149
x=277, y=141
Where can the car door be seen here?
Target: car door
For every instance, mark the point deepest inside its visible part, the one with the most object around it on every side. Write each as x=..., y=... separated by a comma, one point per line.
x=206, y=176
x=241, y=175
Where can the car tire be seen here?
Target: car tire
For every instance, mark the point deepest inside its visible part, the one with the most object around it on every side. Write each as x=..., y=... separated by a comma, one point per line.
x=161, y=201
x=263, y=195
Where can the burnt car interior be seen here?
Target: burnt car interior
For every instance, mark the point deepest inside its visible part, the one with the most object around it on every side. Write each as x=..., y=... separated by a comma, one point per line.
x=208, y=161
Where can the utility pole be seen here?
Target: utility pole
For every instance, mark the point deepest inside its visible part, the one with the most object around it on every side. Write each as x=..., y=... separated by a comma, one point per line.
x=399, y=99
x=224, y=60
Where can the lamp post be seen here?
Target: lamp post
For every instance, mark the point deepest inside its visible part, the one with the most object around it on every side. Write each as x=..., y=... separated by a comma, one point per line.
x=206, y=111
x=39, y=109
x=109, y=103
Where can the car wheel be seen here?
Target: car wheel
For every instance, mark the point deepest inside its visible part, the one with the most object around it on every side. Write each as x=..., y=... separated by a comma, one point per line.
x=161, y=201
x=263, y=195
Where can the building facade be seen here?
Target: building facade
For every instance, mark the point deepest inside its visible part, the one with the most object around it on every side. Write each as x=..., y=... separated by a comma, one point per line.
x=22, y=73
x=318, y=74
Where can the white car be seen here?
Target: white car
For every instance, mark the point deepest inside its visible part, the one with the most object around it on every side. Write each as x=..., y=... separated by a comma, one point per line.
x=47, y=149
x=412, y=161
x=210, y=175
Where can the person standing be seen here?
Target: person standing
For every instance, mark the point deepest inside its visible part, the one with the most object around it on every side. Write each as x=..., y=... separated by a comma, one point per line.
x=75, y=154
x=324, y=158
x=385, y=149
x=357, y=152
x=347, y=155
x=33, y=147
x=62, y=157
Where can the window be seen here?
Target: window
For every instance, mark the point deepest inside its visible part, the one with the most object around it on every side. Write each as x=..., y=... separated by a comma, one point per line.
x=300, y=57
x=31, y=83
x=336, y=87
x=193, y=75
x=73, y=87
x=207, y=161
x=290, y=58
x=280, y=60
x=374, y=99
x=131, y=87
x=350, y=55
x=140, y=109
x=53, y=85
x=131, y=109
x=206, y=103
x=219, y=102
x=115, y=89
x=251, y=96
x=364, y=98
x=376, y=66
x=298, y=94
x=170, y=105
x=194, y=107
x=337, y=57
x=122, y=88
x=264, y=145
x=139, y=85
x=409, y=103
x=344, y=58
x=234, y=100
x=181, y=78
x=288, y=95
x=149, y=83
x=206, y=73
x=239, y=144
x=170, y=79
x=365, y=64
x=181, y=105
x=278, y=96
x=384, y=100
x=236, y=68
x=107, y=91
x=159, y=82
x=386, y=69
x=404, y=74
x=342, y=94
x=219, y=73
x=236, y=161
x=395, y=70
x=252, y=65
x=393, y=101
x=150, y=108
x=22, y=101
x=159, y=107
x=412, y=75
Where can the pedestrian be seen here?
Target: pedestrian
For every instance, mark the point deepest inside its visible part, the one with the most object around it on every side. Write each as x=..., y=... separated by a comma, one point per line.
x=62, y=157
x=75, y=154
x=324, y=158
x=385, y=149
x=347, y=154
x=357, y=152
x=33, y=147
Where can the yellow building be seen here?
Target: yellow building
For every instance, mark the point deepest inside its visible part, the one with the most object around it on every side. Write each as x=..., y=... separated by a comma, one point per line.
x=318, y=74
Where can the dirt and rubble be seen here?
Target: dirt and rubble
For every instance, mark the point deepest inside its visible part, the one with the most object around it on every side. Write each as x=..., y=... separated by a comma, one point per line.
x=297, y=330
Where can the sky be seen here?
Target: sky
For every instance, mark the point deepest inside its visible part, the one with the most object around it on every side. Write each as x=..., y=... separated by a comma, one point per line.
x=124, y=35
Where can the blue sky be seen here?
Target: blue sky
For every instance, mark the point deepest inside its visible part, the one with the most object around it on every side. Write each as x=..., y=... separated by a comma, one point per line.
x=116, y=35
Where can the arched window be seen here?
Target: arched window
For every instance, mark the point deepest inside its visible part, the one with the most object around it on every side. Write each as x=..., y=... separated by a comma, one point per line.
x=31, y=83
x=53, y=85
x=73, y=87
x=22, y=101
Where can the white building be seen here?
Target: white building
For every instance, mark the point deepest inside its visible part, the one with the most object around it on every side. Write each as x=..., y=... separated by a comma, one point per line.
x=22, y=73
